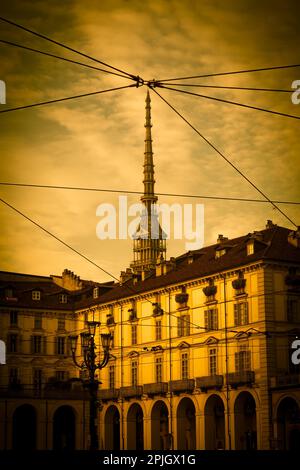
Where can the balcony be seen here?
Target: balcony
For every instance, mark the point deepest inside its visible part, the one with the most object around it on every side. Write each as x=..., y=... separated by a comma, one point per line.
x=186, y=385
x=108, y=394
x=285, y=381
x=209, y=381
x=158, y=388
x=245, y=377
x=36, y=393
x=131, y=392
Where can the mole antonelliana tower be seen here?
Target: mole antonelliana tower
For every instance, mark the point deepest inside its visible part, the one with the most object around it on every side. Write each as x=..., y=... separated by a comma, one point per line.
x=149, y=243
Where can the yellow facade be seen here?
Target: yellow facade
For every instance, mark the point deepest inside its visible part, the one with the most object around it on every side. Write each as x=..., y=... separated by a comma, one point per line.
x=203, y=411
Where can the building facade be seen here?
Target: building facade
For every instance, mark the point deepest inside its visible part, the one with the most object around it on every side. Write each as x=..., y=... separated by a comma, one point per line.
x=42, y=402
x=201, y=351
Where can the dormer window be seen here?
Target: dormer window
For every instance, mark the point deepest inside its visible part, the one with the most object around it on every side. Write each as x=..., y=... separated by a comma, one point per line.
x=96, y=292
x=36, y=295
x=250, y=248
x=63, y=298
x=8, y=293
x=220, y=252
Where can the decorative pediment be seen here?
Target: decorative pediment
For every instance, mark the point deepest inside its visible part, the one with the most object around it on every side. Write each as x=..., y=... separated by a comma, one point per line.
x=183, y=345
x=133, y=354
x=211, y=340
x=242, y=335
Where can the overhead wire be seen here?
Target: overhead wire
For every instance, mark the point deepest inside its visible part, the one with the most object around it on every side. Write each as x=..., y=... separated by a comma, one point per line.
x=224, y=157
x=46, y=38
x=58, y=239
x=278, y=67
x=65, y=99
x=21, y=46
x=124, y=191
x=194, y=85
x=235, y=103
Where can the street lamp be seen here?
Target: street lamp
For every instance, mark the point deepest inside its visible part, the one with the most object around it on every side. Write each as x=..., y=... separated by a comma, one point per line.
x=89, y=362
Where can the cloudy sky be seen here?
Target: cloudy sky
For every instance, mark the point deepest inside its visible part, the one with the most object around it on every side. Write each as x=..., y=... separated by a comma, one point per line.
x=98, y=141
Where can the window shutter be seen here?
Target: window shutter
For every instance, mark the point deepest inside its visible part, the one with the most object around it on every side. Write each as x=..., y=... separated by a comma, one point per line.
x=237, y=361
x=32, y=344
x=247, y=360
x=56, y=346
x=44, y=347
x=206, y=319
x=246, y=313
x=215, y=323
x=179, y=327
x=236, y=315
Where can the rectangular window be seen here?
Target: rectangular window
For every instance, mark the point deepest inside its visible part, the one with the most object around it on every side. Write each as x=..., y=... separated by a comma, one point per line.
x=243, y=359
x=61, y=324
x=112, y=377
x=61, y=375
x=37, y=379
x=293, y=310
x=184, y=366
x=36, y=295
x=158, y=369
x=133, y=334
x=241, y=316
x=61, y=345
x=158, y=330
x=211, y=319
x=134, y=373
x=13, y=376
x=36, y=344
x=63, y=298
x=37, y=323
x=9, y=293
x=12, y=344
x=13, y=316
x=212, y=362
x=183, y=325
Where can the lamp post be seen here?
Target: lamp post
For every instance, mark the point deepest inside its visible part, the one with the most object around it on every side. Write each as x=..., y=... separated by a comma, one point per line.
x=88, y=348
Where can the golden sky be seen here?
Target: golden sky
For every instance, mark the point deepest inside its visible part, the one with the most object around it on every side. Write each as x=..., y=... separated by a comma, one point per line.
x=98, y=141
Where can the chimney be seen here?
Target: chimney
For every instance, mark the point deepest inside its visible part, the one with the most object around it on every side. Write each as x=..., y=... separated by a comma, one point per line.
x=269, y=224
x=125, y=276
x=222, y=239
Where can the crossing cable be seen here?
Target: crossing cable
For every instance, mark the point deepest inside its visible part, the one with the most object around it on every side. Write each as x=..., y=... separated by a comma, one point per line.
x=123, y=191
x=224, y=157
x=230, y=73
x=61, y=58
x=65, y=99
x=159, y=85
x=46, y=38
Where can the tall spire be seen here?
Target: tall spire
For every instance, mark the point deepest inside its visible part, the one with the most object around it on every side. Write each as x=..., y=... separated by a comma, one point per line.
x=149, y=243
x=149, y=180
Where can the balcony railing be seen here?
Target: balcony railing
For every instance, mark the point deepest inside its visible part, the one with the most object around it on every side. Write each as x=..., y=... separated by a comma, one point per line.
x=131, y=392
x=157, y=388
x=284, y=381
x=55, y=394
x=108, y=394
x=209, y=381
x=186, y=385
x=245, y=377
